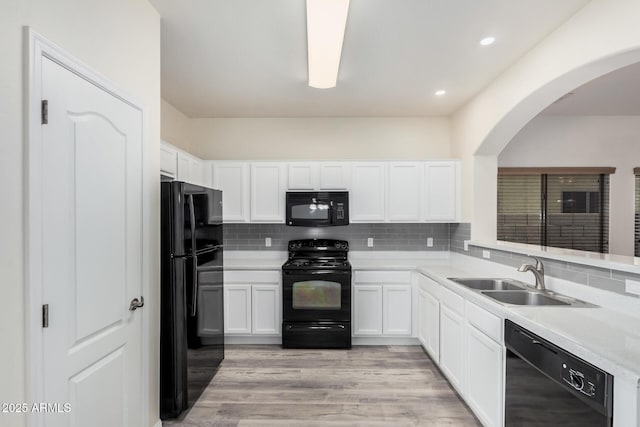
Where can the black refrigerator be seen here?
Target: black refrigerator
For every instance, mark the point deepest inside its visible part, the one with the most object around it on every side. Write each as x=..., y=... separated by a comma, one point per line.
x=191, y=313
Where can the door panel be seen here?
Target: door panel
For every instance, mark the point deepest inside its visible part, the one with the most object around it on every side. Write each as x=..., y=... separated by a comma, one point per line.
x=92, y=252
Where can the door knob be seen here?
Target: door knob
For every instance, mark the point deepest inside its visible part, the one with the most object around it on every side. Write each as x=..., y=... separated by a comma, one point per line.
x=136, y=303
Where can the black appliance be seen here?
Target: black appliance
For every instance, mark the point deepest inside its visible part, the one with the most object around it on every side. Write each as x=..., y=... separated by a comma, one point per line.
x=317, y=209
x=191, y=290
x=316, y=295
x=546, y=385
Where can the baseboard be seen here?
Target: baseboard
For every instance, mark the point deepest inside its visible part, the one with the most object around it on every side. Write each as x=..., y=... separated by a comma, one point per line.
x=158, y=423
x=385, y=341
x=253, y=339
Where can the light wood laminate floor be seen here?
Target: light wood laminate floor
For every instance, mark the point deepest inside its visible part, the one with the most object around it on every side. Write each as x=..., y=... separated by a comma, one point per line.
x=265, y=385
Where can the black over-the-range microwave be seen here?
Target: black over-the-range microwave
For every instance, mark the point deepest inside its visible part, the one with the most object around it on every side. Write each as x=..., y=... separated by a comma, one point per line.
x=317, y=208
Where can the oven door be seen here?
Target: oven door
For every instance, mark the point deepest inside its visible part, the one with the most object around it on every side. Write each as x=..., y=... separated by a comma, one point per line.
x=318, y=296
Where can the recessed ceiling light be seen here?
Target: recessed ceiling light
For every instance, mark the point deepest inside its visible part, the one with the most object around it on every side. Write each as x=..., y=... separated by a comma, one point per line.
x=487, y=41
x=441, y=92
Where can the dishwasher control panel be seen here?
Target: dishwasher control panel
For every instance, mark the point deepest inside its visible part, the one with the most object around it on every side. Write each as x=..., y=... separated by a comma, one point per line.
x=578, y=380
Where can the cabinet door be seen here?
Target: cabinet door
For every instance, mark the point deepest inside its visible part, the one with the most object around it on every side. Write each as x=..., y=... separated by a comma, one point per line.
x=197, y=172
x=233, y=179
x=184, y=167
x=432, y=327
x=367, y=202
x=303, y=176
x=484, y=377
x=405, y=192
x=267, y=192
x=265, y=315
x=367, y=310
x=168, y=161
x=334, y=175
x=452, y=346
x=441, y=189
x=396, y=310
x=422, y=317
x=237, y=309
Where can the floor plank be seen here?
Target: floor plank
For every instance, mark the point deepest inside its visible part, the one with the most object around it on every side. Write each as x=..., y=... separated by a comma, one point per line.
x=265, y=385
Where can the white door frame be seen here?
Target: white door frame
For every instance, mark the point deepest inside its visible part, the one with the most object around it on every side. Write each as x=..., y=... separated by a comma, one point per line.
x=36, y=48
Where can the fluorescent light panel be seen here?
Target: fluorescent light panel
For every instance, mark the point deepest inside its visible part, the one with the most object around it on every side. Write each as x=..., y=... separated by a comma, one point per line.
x=326, y=22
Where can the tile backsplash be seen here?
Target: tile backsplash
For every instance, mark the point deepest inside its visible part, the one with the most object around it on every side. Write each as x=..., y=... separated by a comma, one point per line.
x=386, y=236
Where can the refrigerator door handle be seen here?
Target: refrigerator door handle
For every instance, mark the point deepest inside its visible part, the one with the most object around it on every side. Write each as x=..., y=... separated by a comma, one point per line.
x=192, y=223
x=194, y=297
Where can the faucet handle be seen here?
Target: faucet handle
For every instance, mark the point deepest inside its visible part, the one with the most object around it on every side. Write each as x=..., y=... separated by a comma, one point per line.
x=539, y=265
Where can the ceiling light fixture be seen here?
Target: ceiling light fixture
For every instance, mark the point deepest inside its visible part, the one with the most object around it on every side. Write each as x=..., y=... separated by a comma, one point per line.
x=440, y=92
x=326, y=23
x=487, y=41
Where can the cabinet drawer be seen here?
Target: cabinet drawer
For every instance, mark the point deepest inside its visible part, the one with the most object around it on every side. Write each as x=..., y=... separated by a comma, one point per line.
x=382, y=277
x=257, y=276
x=452, y=300
x=486, y=322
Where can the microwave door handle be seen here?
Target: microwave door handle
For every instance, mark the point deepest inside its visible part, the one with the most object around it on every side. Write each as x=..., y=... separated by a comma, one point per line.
x=332, y=213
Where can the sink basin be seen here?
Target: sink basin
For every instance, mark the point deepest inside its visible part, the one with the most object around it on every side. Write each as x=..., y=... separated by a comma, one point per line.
x=484, y=284
x=524, y=298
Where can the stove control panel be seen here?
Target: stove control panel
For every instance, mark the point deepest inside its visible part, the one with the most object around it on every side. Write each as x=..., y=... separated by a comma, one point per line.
x=318, y=245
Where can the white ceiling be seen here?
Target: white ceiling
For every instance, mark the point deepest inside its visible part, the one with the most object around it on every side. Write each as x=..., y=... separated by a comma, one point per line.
x=614, y=94
x=247, y=58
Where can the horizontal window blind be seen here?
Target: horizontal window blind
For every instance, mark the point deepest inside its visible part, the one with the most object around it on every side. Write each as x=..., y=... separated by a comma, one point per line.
x=519, y=208
x=566, y=211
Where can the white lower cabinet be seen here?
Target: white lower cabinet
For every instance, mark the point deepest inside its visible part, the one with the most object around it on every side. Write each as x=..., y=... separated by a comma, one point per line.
x=465, y=340
x=452, y=346
x=382, y=303
x=367, y=310
x=237, y=309
x=252, y=303
x=265, y=309
x=484, y=377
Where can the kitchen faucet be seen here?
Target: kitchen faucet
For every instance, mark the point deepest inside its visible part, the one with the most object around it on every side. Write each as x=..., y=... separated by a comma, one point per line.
x=538, y=272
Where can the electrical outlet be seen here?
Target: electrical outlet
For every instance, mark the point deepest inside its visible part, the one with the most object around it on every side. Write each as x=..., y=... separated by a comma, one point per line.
x=466, y=245
x=632, y=286
x=267, y=242
x=429, y=242
x=486, y=254
x=370, y=242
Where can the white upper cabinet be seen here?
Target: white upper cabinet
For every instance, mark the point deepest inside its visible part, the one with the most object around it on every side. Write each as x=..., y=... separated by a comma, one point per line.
x=442, y=191
x=334, y=175
x=405, y=195
x=197, y=171
x=367, y=198
x=267, y=192
x=303, y=176
x=324, y=176
x=184, y=167
x=168, y=160
x=233, y=179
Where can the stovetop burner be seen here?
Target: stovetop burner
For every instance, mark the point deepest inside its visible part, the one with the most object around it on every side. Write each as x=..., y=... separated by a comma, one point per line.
x=314, y=254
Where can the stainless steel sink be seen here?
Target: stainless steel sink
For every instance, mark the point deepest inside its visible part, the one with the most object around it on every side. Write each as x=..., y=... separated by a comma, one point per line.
x=484, y=284
x=524, y=297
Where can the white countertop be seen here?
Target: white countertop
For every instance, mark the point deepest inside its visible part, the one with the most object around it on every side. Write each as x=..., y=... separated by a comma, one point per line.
x=602, y=336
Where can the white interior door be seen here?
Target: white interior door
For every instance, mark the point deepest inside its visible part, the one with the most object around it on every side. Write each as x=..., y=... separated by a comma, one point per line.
x=92, y=252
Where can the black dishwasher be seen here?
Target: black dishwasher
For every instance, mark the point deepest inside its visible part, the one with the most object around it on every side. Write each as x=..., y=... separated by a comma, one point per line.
x=547, y=386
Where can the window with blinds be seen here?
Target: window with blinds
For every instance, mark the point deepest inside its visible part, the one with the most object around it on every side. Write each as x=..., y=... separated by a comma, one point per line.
x=560, y=210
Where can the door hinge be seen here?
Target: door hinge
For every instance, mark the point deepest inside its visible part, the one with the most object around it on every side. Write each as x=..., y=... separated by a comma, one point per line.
x=45, y=112
x=45, y=315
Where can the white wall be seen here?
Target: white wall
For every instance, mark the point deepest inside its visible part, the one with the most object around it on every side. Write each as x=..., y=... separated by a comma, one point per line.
x=587, y=141
x=321, y=138
x=175, y=127
x=599, y=38
x=120, y=39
